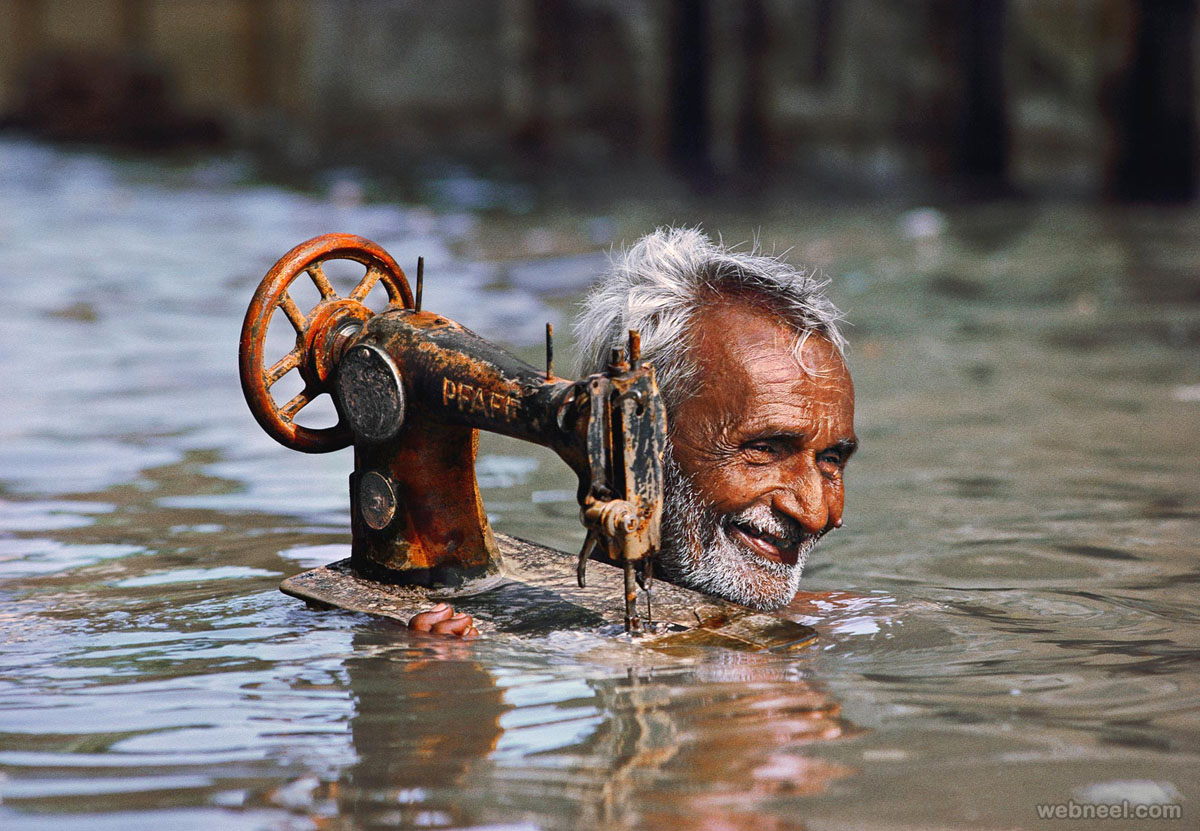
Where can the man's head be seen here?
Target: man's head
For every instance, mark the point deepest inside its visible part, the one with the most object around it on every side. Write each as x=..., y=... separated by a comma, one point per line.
x=760, y=407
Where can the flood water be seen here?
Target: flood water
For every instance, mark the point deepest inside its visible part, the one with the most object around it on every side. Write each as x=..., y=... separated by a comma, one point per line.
x=1008, y=620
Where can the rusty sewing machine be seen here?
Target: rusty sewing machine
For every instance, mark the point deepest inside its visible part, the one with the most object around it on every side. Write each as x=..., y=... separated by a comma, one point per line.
x=412, y=389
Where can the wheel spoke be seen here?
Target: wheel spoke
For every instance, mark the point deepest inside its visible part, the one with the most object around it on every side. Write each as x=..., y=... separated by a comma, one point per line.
x=288, y=411
x=282, y=367
x=323, y=285
x=292, y=311
x=365, y=285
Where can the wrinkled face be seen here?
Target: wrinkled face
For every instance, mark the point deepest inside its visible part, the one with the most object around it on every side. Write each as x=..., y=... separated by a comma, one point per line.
x=755, y=473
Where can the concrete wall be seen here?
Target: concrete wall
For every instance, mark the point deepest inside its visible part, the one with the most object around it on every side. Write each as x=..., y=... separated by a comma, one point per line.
x=870, y=91
x=241, y=60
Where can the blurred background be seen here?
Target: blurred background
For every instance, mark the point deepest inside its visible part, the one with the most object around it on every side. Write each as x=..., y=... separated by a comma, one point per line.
x=1087, y=98
x=1002, y=196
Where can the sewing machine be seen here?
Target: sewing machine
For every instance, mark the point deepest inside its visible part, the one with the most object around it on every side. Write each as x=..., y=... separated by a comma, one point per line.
x=412, y=389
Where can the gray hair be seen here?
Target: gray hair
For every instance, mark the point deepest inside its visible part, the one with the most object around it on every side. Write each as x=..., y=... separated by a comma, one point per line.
x=664, y=280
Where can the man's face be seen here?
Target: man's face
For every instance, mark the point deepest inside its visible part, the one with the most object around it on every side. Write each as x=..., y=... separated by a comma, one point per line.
x=755, y=474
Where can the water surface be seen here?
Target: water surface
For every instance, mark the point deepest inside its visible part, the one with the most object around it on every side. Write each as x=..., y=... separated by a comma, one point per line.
x=1009, y=618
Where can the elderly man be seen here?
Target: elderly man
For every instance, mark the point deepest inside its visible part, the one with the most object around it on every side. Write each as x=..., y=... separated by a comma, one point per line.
x=760, y=411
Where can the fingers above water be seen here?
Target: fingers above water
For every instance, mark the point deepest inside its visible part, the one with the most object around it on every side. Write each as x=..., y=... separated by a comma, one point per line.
x=442, y=620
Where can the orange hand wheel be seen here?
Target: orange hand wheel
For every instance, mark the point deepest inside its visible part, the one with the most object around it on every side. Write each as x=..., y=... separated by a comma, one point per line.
x=317, y=334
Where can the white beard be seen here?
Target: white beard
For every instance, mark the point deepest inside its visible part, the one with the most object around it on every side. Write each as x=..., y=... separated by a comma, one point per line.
x=698, y=551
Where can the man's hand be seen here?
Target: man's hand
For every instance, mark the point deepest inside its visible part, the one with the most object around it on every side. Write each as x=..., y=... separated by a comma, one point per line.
x=441, y=620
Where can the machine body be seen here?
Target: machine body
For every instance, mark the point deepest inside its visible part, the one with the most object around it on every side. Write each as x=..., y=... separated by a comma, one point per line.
x=413, y=388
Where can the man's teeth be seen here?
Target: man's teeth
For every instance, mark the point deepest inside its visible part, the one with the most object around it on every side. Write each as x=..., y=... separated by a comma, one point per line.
x=778, y=542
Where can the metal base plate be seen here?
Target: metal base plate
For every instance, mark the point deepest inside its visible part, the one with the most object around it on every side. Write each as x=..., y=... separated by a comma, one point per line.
x=537, y=594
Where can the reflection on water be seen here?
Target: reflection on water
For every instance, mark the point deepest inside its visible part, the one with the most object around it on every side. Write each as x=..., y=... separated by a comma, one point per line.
x=1009, y=618
x=707, y=739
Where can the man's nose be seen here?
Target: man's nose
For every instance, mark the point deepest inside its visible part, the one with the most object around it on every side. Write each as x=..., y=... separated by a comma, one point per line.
x=810, y=500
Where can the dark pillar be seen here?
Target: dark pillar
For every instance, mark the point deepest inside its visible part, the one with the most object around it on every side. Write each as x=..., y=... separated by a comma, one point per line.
x=27, y=31
x=257, y=26
x=135, y=26
x=983, y=135
x=1155, y=113
x=751, y=135
x=688, y=139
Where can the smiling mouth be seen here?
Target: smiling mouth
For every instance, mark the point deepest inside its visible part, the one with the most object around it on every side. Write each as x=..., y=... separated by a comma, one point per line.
x=769, y=546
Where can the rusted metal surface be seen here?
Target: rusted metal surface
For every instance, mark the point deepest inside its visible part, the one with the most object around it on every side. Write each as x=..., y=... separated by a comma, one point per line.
x=627, y=439
x=368, y=377
x=413, y=388
x=610, y=429
x=376, y=501
x=319, y=334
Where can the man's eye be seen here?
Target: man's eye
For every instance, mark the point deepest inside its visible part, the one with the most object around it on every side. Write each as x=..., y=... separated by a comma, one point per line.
x=761, y=448
x=834, y=459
